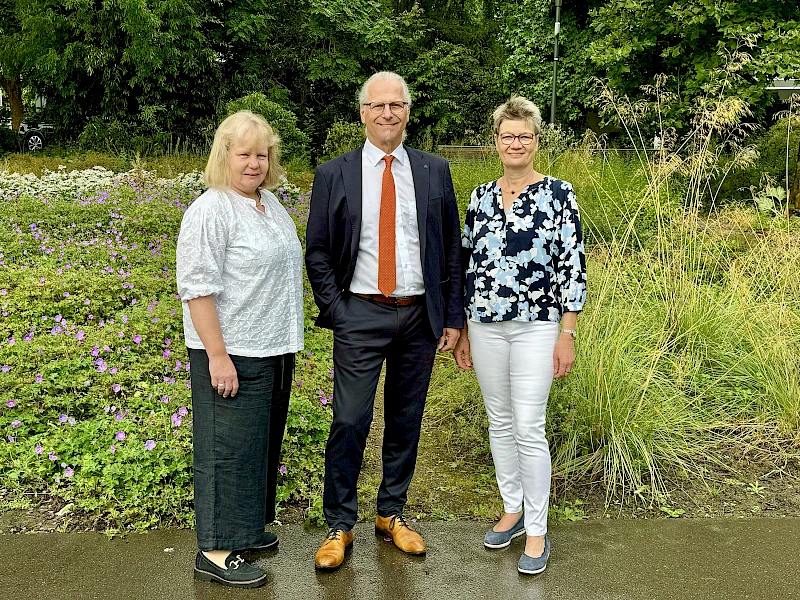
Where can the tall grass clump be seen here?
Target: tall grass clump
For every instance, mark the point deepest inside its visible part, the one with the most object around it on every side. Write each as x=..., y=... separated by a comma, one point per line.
x=689, y=344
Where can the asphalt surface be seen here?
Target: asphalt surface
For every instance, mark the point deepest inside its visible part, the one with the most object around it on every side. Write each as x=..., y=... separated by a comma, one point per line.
x=646, y=559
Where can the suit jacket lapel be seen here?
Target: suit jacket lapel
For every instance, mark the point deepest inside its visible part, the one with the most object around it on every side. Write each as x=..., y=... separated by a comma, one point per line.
x=351, y=174
x=420, y=170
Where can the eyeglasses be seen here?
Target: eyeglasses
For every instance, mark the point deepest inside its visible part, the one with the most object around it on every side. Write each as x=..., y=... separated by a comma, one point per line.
x=526, y=139
x=378, y=107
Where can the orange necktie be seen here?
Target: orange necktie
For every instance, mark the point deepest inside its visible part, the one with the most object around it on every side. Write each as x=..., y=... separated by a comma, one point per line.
x=387, y=269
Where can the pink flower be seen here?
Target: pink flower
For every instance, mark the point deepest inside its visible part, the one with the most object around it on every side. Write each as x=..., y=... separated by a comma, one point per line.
x=69, y=472
x=112, y=449
x=149, y=445
x=176, y=420
x=183, y=411
x=120, y=436
x=80, y=336
x=11, y=404
x=113, y=370
x=116, y=387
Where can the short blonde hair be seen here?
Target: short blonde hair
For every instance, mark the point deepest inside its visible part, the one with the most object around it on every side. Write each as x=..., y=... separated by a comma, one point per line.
x=243, y=127
x=518, y=108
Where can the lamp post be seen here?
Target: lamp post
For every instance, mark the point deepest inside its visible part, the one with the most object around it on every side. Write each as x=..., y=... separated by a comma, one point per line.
x=555, y=62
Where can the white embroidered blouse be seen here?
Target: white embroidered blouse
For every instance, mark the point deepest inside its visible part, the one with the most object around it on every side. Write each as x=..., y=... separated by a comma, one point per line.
x=251, y=262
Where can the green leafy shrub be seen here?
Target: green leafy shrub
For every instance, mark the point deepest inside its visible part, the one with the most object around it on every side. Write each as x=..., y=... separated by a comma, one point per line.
x=771, y=145
x=342, y=137
x=294, y=143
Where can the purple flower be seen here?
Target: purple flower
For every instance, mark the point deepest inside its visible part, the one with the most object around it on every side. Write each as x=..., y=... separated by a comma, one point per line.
x=177, y=365
x=80, y=336
x=167, y=342
x=63, y=418
x=112, y=449
x=38, y=378
x=95, y=351
x=149, y=445
x=52, y=456
x=165, y=399
x=11, y=438
x=120, y=436
x=183, y=411
x=16, y=423
x=11, y=404
x=176, y=420
x=71, y=421
x=87, y=302
x=282, y=470
x=101, y=367
x=116, y=387
x=5, y=368
x=69, y=472
x=38, y=449
x=124, y=319
x=113, y=370
x=119, y=416
x=137, y=339
x=57, y=318
x=11, y=341
x=66, y=294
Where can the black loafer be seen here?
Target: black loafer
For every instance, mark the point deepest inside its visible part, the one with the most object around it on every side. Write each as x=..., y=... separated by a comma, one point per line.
x=237, y=573
x=268, y=542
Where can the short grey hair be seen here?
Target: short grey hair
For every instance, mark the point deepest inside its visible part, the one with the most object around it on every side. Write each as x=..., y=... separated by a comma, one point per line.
x=518, y=108
x=384, y=76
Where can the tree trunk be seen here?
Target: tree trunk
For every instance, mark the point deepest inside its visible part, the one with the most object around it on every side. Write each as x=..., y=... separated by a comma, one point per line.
x=13, y=89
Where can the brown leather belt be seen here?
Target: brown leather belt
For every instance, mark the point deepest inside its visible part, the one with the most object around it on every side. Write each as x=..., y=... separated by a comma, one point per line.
x=401, y=301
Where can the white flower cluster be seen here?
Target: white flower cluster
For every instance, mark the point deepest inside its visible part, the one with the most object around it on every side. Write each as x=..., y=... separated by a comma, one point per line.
x=80, y=183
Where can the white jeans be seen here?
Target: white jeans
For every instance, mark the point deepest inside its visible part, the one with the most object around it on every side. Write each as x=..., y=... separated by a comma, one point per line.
x=514, y=364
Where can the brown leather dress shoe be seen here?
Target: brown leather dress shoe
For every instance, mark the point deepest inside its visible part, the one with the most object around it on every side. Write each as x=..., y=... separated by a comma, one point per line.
x=405, y=538
x=331, y=554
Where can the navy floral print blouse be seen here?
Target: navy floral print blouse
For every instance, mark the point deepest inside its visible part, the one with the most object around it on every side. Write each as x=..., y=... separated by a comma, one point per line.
x=529, y=264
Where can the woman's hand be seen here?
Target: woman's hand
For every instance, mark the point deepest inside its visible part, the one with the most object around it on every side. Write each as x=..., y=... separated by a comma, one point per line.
x=223, y=375
x=563, y=356
x=203, y=312
x=461, y=351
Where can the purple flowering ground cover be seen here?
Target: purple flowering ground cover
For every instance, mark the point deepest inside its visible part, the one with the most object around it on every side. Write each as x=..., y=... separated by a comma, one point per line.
x=95, y=401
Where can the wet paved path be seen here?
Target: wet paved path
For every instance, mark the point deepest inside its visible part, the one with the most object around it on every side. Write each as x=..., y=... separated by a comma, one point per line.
x=654, y=559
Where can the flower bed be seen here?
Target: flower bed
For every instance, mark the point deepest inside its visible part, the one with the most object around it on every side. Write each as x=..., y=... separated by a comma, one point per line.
x=95, y=401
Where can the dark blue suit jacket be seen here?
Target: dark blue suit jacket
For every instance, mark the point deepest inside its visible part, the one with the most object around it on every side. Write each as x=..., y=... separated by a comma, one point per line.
x=334, y=229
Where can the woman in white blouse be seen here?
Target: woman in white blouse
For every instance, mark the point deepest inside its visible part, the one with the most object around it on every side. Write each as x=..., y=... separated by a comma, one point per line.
x=239, y=271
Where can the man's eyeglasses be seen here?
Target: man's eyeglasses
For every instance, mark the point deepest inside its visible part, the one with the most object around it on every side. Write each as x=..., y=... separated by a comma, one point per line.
x=526, y=139
x=377, y=108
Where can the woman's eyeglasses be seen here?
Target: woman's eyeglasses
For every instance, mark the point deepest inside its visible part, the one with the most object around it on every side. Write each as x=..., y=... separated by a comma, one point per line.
x=526, y=139
x=378, y=107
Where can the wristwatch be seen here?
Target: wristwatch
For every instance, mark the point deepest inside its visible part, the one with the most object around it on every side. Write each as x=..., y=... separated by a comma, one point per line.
x=571, y=332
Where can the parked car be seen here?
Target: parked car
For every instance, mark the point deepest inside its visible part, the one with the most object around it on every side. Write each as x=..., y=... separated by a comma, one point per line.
x=34, y=134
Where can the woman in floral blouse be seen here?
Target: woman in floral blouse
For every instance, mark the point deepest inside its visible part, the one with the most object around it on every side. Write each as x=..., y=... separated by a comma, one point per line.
x=525, y=279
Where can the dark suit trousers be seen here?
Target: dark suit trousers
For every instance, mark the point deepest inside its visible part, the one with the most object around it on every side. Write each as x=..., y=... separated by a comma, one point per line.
x=365, y=334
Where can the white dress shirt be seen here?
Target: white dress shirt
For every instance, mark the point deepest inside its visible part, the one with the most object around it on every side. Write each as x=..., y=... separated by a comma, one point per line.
x=251, y=262
x=407, y=249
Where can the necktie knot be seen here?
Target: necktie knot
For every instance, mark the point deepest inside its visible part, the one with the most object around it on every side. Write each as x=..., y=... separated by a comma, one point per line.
x=388, y=160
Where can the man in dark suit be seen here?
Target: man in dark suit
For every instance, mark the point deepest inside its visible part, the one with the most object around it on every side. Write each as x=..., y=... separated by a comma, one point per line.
x=382, y=254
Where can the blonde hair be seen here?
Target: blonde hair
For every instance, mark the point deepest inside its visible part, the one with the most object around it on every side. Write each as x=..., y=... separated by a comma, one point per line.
x=518, y=108
x=247, y=128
